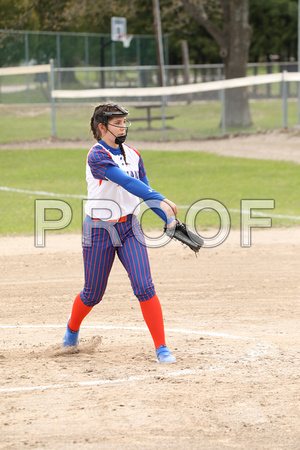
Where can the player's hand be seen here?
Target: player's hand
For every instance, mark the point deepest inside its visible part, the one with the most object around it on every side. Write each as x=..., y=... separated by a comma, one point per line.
x=170, y=209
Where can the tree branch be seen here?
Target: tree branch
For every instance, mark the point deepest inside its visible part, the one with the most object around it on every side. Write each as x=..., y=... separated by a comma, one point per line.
x=197, y=10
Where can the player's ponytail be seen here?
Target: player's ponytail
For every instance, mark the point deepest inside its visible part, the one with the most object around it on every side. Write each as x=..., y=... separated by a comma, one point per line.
x=95, y=129
x=94, y=123
x=123, y=153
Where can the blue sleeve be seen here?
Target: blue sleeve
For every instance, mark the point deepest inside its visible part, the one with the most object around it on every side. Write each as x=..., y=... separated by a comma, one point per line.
x=138, y=188
x=132, y=185
x=145, y=180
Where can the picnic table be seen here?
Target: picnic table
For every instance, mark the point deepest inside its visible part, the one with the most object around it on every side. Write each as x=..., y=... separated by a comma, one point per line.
x=149, y=118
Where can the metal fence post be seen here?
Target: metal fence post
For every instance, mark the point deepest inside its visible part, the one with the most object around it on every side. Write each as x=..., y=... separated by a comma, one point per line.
x=163, y=116
x=58, y=64
x=113, y=62
x=284, y=98
x=223, y=118
x=298, y=102
x=52, y=99
x=138, y=57
x=27, y=63
x=87, y=62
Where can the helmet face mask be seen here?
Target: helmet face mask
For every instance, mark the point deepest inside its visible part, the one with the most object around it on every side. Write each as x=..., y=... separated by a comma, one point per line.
x=115, y=114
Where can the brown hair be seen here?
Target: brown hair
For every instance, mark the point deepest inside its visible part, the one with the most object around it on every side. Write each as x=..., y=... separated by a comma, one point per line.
x=98, y=117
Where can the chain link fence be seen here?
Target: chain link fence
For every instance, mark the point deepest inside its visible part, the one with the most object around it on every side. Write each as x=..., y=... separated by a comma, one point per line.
x=89, y=61
x=75, y=49
x=93, y=61
x=81, y=60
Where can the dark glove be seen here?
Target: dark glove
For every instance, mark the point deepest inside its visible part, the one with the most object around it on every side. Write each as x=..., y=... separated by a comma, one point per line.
x=184, y=235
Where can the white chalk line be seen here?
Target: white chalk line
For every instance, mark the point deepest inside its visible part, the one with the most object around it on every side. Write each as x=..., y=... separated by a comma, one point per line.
x=183, y=372
x=48, y=194
x=253, y=212
x=262, y=348
x=258, y=213
x=57, y=195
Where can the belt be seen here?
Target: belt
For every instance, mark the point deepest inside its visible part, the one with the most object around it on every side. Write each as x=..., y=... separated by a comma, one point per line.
x=122, y=219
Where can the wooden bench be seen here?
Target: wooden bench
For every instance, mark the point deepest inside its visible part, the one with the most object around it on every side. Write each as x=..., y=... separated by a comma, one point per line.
x=150, y=118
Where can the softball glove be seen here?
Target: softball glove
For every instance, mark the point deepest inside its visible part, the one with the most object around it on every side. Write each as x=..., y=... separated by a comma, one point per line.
x=185, y=236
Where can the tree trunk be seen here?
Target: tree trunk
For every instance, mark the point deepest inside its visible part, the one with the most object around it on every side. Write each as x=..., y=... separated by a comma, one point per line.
x=186, y=66
x=235, y=57
x=234, y=41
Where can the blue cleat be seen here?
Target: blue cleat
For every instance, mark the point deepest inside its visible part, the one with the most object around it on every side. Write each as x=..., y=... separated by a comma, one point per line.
x=70, y=338
x=164, y=355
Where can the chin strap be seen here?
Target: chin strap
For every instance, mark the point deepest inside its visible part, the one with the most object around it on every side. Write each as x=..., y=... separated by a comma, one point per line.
x=119, y=139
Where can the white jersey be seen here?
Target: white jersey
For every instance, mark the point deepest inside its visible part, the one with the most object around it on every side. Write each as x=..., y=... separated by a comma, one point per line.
x=106, y=199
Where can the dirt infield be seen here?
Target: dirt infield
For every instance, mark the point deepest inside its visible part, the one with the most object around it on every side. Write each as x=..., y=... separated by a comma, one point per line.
x=232, y=320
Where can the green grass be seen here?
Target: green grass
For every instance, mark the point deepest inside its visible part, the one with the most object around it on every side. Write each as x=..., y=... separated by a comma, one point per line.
x=194, y=121
x=184, y=177
x=19, y=123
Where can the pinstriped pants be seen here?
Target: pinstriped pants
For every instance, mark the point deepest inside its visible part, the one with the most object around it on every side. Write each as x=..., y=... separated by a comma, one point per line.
x=101, y=242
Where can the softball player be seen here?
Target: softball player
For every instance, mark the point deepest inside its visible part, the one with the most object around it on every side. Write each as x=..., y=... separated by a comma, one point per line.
x=116, y=180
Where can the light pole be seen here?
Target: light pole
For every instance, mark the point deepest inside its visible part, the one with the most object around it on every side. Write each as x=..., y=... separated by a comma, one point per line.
x=159, y=43
x=160, y=57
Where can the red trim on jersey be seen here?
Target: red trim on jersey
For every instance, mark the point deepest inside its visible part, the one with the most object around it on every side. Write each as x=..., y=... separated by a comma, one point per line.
x=134, y=150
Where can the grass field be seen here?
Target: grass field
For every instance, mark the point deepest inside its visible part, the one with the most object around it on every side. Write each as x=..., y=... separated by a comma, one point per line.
x=184, y=177
x=194, y=121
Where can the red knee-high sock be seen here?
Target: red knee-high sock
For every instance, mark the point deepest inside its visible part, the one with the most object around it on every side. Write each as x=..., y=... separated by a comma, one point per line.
x=79, y=311
x=152, y=313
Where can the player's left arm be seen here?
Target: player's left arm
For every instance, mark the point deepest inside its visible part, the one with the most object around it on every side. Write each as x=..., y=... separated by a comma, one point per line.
x=164, y=208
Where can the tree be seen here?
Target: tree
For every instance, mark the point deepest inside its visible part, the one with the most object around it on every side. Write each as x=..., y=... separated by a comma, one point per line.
x=211, y=27
x=274, y=24
x=233, y=35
